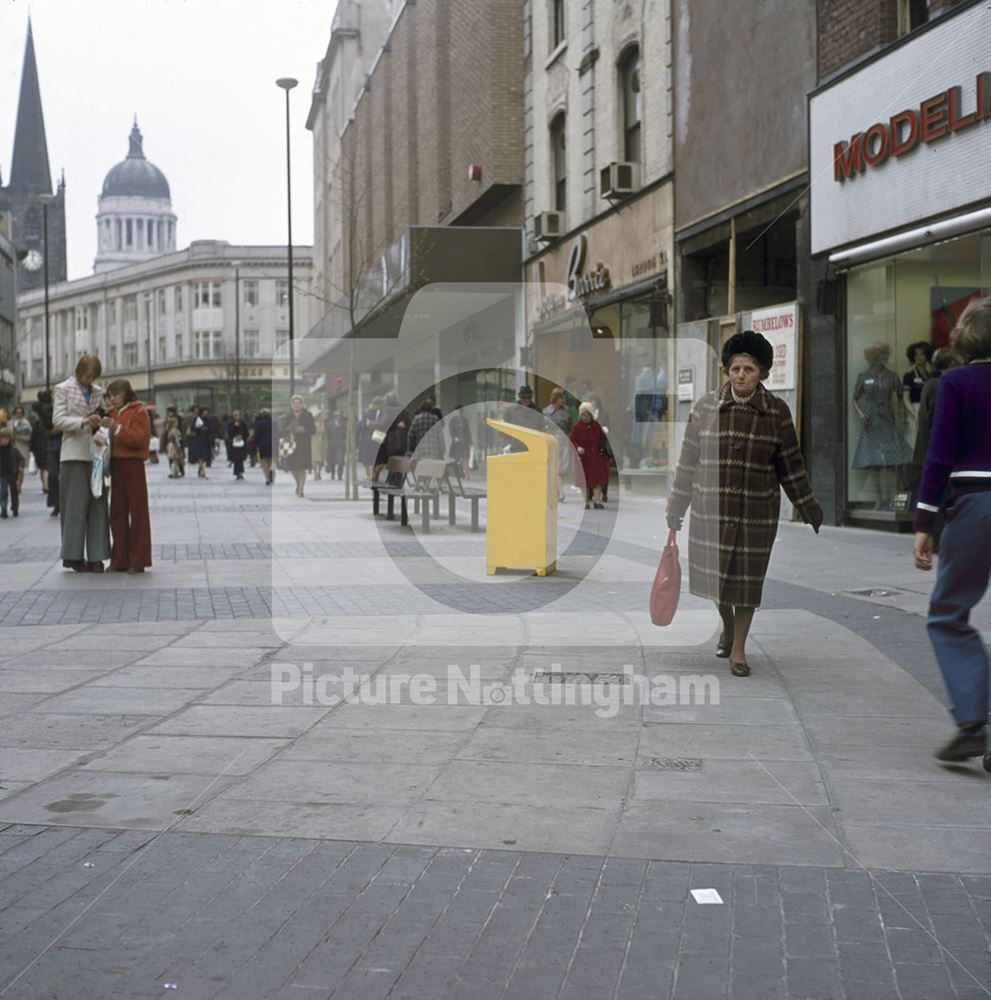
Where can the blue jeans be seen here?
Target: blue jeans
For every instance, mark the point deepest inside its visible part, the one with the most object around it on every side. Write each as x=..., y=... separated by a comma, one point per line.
x=964, y=568
x=8, y=487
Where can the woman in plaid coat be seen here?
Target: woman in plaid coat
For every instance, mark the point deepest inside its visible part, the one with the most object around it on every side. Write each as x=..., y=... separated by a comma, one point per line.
x=740, y=450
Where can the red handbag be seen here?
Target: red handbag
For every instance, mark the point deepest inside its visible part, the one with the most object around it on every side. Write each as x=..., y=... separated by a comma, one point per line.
x=667, y=584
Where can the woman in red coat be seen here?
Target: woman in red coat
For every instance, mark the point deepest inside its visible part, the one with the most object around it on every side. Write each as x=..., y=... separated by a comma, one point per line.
x=590, y=441
x=130, y=524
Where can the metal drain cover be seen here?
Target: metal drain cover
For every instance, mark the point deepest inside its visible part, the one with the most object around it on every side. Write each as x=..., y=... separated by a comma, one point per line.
x=579, y=677
x=675, y=763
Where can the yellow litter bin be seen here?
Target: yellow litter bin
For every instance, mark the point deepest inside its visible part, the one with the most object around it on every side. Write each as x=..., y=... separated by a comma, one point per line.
x=521, y=514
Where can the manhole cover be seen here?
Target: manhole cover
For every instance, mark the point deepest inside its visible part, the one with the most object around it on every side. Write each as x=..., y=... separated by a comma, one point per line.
x=675, y=763
x=578, y=677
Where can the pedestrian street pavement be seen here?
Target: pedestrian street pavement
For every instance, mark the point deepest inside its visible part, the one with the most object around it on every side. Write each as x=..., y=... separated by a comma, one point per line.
x=164, y=824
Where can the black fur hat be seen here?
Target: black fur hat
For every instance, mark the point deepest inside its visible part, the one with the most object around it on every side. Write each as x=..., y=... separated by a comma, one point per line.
x=754, y=344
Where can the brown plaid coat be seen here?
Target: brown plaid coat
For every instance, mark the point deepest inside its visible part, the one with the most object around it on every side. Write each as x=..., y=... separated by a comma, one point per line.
x=735, y=459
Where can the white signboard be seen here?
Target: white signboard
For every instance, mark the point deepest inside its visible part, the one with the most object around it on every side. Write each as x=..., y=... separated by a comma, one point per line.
x=905, y=139
x=780, y=326
x=686, y=385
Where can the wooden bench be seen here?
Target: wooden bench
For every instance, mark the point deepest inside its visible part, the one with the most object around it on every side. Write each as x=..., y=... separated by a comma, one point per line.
x=391, y=482
x=456, y=488
x=428, y=475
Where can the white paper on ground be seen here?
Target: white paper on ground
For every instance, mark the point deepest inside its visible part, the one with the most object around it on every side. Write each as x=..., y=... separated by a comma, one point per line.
x=706, y=896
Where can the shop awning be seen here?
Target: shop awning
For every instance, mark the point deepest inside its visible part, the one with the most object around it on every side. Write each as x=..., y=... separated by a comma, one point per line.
x=423, y=255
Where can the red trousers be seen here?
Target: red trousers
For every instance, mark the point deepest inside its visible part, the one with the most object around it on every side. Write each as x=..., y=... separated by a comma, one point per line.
x=130, y=524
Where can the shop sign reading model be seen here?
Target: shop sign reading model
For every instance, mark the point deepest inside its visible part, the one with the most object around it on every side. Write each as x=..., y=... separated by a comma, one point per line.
x=935, y=118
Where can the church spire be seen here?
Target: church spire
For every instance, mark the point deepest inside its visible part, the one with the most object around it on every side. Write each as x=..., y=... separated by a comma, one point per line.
x=29, y=169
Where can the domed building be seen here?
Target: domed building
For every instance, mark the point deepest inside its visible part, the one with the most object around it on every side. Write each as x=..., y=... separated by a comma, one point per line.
x=135, y=219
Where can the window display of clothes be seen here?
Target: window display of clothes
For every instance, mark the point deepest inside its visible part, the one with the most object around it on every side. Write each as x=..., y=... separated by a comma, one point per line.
x=881, y=446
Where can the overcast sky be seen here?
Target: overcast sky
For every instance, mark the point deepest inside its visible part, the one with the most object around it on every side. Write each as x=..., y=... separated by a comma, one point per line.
x=200, y=75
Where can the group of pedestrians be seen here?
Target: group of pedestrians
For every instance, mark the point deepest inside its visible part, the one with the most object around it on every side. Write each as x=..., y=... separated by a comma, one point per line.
x=105, y=436
x=21, y=439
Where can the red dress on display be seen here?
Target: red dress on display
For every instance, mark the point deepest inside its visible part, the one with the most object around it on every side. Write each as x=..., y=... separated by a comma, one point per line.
x=594, y=465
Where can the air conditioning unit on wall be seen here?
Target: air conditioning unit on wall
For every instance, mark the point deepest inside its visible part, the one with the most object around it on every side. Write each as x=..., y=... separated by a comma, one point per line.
x=549, y=226
x=619, y=180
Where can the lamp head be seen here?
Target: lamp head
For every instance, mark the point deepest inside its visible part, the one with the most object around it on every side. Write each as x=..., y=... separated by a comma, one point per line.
x=286, y=82
x=46, y=199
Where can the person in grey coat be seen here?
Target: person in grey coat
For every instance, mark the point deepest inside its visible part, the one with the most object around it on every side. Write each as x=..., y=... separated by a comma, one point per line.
x=77, y=414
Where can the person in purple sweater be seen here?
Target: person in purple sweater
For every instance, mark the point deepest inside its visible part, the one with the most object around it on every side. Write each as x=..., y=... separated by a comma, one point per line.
x=959, y=455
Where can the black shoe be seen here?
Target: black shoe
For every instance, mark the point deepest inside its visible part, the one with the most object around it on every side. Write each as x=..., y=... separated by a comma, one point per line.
x=967, y=743
x=77, y=565
x=96, y=566
x=14, y=513
x=739, y=669
x=723, y=648
x=54, y=512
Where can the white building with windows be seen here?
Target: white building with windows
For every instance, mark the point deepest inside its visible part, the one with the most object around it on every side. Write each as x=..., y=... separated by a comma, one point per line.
x=186, y=327
x=599, y=214
x=135, y=220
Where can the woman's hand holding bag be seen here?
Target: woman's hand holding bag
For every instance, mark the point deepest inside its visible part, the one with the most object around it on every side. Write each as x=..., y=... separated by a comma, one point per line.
x=666, y=590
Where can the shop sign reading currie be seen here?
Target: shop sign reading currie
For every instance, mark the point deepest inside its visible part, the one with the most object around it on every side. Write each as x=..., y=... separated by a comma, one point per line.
x=579, y=285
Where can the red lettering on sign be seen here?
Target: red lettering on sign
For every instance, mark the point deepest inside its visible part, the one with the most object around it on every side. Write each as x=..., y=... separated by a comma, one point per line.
x=848, y=159
x=932, y=116
x=898, y=145
x=876, y=145
x=956, y=120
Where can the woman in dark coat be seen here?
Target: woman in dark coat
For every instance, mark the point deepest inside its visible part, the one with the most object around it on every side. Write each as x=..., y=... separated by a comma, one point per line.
x=392, y=421
x=201, y=441
x=237, y=442
x=368, y=447
x=590, y=441
x=260, y=443
x=300, y=424
x=460, y=429
x=40, y=432
x=740, y=451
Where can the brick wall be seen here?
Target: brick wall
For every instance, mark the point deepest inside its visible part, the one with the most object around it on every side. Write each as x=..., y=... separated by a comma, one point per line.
x=851, y=29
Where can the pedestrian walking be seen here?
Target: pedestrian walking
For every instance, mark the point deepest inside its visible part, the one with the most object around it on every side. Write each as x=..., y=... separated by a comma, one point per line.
x=959, y=456
x=54, y=450
x=318, y=445
x=558, y=414
x=368, y=447
x=300, y=425
x=237, y=443
x=77, y=417
x=425, y=438
x=392, y=429
x=261, y=444
x=589, y=441
x=129, y=425
x=336, y=445
x=174, y=450
x=201, y=448
x=11, y=464
x=460, y=449
x=20, y=428
x=39, y=436
x=740, y=451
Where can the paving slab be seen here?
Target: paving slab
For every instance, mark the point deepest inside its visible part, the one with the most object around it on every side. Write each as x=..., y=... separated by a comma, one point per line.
x=206, y=755
x=249, y=720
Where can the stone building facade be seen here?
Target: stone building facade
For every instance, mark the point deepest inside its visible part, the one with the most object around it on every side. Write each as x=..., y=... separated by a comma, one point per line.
x=186, y=327
x=424, y=187
x=599, y=215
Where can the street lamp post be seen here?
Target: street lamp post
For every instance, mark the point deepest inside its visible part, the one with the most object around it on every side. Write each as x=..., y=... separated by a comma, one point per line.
x=46, y=200
x=237, y=336
x=287, y=83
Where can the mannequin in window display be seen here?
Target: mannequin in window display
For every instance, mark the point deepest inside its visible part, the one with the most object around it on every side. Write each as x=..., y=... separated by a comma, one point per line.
x=919, y=356
x=877, y=400
x=649, y=404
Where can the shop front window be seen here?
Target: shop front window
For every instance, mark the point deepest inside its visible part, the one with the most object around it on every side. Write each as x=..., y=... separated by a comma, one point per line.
x=899, y=311
x=644, y=386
